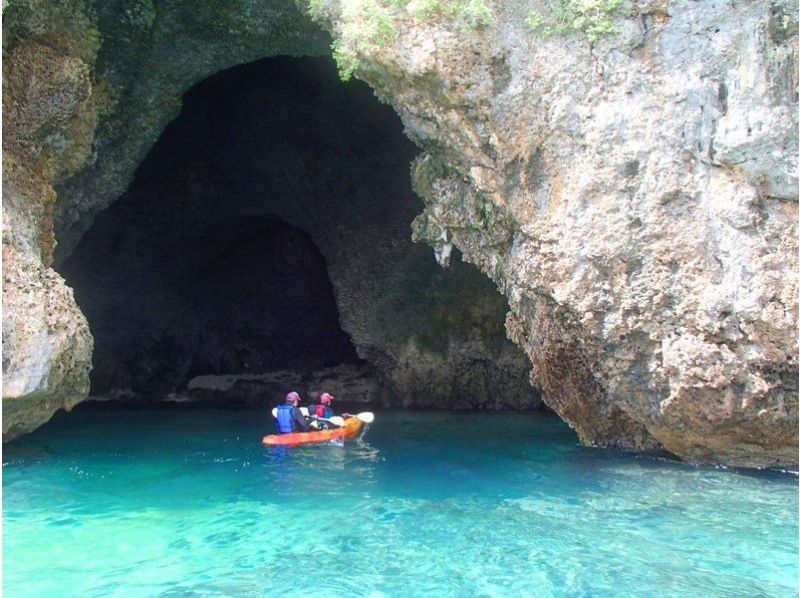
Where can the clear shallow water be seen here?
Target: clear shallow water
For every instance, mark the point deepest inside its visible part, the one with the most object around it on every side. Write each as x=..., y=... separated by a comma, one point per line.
x=169, y=503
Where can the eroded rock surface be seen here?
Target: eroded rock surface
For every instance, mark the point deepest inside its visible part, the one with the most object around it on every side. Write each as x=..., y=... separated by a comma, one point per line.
x=635, y=198
x=351, y=383
x=48, y=117
x=87, y=89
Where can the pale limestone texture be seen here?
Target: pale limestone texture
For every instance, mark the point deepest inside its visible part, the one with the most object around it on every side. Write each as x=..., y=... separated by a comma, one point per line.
x=47, y=106
x=46, y=353
x=635, y=199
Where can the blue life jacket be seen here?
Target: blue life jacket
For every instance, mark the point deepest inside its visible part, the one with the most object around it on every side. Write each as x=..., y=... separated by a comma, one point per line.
x=284, y=419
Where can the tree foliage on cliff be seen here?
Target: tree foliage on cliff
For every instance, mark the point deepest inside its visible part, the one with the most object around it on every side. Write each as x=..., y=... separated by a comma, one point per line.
x=461, y=13
x=365, y=25
x=593, y=18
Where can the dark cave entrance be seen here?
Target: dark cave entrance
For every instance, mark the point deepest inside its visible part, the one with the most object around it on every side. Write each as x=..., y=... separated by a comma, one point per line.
x=197, y=269
x=248, y=295
x=266, y=240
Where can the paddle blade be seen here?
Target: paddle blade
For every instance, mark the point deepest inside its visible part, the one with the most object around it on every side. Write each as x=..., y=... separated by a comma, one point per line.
x=337, y=421
x=367, y=417
x=275, y=413
x=304, y=411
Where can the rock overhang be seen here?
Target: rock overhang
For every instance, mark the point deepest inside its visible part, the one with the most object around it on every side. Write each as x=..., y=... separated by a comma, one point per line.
x=672, y=283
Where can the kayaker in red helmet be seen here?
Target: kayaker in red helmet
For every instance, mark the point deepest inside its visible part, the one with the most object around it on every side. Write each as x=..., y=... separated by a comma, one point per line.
x=323, y=410
x=290, y=418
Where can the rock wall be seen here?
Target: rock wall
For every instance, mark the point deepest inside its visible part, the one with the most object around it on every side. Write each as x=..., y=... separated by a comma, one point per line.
x=49, y=114
x=134, y=60
x=635, y=196
x=87, y=90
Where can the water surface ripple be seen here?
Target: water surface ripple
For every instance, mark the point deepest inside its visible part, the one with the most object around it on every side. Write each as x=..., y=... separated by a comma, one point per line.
x=188, y=503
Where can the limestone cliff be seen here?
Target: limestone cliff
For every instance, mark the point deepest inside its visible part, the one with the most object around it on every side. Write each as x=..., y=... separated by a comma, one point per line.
x=636, y=198
x=50, y=110
x=634, y=195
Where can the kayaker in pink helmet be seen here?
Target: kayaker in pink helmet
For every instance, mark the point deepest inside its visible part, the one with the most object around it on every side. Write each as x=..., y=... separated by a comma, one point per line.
x=323, y=410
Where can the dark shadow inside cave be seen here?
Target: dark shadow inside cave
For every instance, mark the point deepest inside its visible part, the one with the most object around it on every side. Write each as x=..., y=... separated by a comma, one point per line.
x=191, y=272
x=246, y=295
x=271, y=216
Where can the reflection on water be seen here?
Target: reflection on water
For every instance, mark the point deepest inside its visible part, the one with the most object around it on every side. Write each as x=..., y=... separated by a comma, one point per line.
x=424, y=504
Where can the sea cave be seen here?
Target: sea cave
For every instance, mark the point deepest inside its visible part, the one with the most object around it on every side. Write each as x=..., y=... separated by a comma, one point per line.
x=265, y=241
x=530, y=268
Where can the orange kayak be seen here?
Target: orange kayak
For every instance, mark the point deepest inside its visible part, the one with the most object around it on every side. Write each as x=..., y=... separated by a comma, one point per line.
x=352, y=426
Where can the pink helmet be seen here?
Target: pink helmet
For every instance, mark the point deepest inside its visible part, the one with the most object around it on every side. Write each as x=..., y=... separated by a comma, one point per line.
x=325, y=398
x=292, y=397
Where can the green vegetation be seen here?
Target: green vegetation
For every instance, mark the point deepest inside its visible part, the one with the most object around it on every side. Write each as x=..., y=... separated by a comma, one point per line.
x=367, y=24
x=462, y=13
x=593, y=18
x=500, y=268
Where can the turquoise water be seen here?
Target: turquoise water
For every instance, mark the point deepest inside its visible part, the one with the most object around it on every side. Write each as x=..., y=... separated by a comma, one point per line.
x=188, y=503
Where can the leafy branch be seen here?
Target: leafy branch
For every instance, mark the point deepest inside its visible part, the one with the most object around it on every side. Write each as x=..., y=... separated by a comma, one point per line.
x=593, y=18
x=365, y=25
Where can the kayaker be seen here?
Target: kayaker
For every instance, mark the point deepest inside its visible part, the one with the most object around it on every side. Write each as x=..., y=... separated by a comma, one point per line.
x=323, y=410
x=290, y=418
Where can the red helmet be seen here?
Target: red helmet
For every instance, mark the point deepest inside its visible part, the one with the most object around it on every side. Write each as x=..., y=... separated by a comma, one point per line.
x=325, y=398
x=292, y=397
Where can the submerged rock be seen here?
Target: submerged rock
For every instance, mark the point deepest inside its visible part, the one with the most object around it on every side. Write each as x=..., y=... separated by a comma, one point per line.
x=349, y=383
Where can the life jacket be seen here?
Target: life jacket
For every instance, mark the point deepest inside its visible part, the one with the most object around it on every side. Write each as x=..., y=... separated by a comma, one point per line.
x=319, y=410
x=284, y=418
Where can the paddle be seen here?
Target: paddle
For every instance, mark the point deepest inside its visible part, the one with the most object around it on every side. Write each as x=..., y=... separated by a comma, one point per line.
x=303, y=410
x=365, y=417
x=335, y=420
